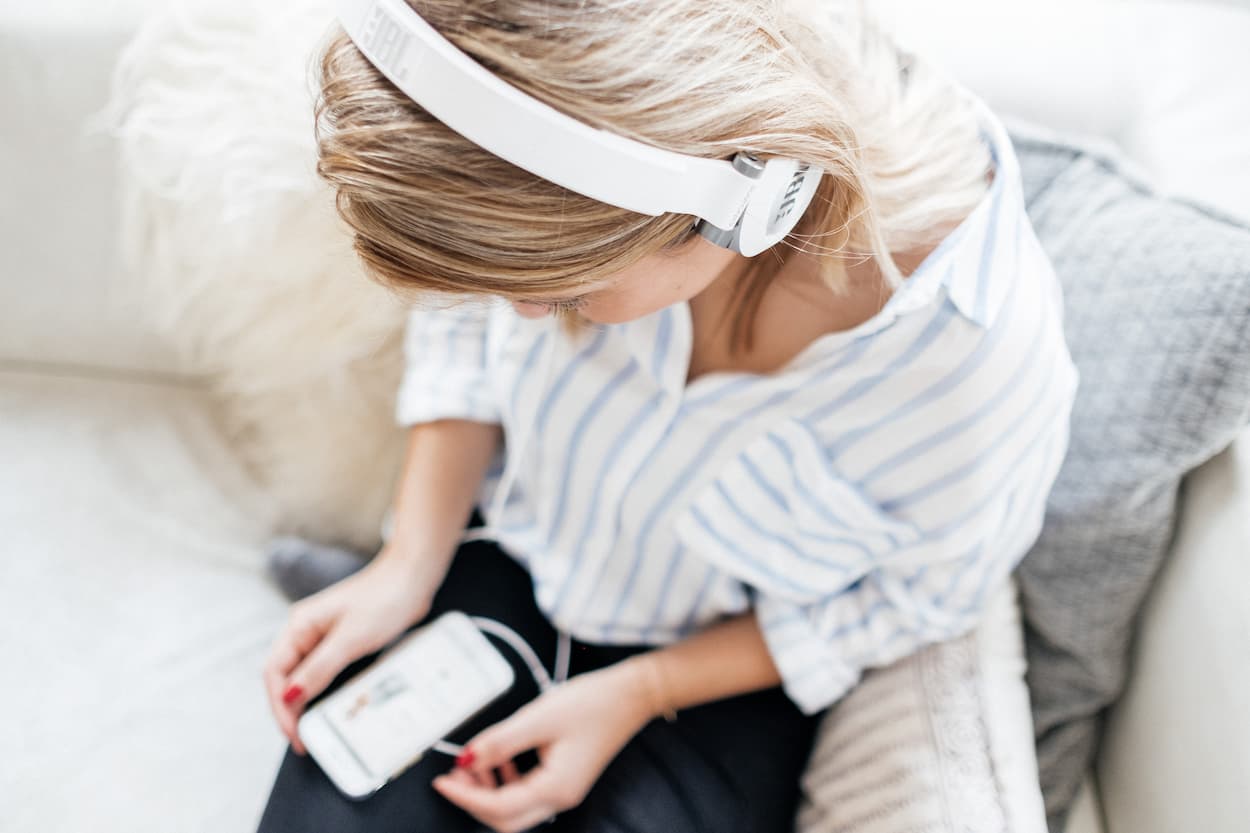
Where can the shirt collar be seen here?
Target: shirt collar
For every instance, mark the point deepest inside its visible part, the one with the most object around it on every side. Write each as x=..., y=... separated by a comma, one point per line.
x=978, y=263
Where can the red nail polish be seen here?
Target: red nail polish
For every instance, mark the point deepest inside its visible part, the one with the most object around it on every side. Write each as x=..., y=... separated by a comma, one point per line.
x=292, y=694
x=466, y=758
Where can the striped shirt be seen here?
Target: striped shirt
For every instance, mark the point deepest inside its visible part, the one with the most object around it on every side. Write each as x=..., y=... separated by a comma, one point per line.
x=865, y=499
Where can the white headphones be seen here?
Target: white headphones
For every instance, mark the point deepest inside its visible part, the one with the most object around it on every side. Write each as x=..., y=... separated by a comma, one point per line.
x=745, y=205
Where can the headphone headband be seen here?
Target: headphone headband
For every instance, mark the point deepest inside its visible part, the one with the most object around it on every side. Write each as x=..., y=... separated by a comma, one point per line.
x=738, y=201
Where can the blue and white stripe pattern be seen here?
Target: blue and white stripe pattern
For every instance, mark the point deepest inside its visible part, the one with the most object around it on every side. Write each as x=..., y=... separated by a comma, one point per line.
x=864, y=500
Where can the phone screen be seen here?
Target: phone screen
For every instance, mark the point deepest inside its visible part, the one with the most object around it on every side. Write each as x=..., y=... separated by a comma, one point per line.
x=402, y=705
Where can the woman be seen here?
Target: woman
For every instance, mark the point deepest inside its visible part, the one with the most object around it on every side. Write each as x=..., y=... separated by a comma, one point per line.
x=735, y=482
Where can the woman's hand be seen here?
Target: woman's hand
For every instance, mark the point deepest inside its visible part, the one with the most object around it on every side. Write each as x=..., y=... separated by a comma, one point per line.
x=328, y=630
x=577, y=728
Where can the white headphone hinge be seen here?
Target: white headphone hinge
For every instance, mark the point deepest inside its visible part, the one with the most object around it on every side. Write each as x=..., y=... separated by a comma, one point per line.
x=748, y=165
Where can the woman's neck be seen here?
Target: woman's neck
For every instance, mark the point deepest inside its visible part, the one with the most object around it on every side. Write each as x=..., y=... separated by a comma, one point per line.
x=796, y=308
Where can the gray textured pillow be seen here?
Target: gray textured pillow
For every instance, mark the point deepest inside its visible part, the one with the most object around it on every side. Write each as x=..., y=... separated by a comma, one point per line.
x=1157, y=316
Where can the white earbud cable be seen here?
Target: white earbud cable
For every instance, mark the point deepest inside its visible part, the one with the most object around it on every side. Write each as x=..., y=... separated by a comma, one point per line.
x=531, y=660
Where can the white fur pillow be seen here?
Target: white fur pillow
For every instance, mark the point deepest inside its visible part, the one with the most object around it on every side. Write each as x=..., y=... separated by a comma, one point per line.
x=245, y=263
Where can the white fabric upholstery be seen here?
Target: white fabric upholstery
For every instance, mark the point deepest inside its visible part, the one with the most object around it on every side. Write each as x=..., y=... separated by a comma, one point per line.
x=59, y=209
x=1086, y=815
x=1157, y=79
x=136, y=613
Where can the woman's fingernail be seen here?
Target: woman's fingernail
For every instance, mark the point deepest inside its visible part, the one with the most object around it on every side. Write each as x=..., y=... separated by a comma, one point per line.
x=292, y=694
x=466, y=758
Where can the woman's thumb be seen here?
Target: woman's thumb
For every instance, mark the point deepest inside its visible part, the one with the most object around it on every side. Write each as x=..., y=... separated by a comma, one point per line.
x=317, y=670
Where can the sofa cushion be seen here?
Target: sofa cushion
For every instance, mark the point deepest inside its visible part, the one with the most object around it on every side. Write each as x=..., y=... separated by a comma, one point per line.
x=936, y=741
x=136, y=612
x=1157, y=317
x=66, y=301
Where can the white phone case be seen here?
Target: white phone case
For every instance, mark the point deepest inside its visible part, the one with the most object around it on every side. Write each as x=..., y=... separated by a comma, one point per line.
x=382, y=720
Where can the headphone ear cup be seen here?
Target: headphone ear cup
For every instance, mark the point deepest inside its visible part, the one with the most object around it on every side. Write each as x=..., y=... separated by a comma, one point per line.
x=785, y=190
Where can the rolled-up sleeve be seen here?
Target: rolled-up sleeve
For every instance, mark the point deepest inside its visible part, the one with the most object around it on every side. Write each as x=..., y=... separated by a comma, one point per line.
x=446, y=364
x=916, y=597
x=841, y=583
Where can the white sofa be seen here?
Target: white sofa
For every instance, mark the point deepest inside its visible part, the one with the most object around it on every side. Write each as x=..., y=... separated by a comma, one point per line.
x=136, y=612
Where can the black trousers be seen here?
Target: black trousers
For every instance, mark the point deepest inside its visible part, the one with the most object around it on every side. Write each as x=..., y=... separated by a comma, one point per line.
x=729, y=766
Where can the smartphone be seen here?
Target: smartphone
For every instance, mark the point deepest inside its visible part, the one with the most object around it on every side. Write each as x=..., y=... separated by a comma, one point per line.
x=383, y=719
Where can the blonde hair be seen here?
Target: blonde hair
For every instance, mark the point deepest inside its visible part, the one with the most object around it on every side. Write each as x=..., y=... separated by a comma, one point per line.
x=813, y=80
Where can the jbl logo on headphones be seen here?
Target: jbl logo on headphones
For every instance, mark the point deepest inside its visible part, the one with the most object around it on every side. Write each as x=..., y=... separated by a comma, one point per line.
x=787, y=200
x=385, y=39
